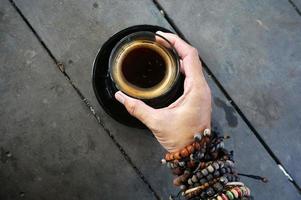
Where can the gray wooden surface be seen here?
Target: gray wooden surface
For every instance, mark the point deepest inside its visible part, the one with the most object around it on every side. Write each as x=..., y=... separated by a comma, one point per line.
x=50, y=145
x=74, y=31
x=297, y=4
x=254, y=50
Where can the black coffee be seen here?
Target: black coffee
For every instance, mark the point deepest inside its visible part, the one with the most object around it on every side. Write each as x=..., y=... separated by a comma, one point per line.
x=143, y=67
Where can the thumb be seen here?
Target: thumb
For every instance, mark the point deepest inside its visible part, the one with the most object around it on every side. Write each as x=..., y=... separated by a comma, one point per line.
x=136, y=108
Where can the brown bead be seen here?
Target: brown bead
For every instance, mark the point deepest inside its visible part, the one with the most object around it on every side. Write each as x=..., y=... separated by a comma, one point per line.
x=206, y=185
x=214, y=155
x=177, y=155
x=167, y=157
x=184, y=177
x=177, y=171
x=197, y=146
x=203, y=165
x=191, y=164
x=177, y=181
x=190, y=149
x=184, y=153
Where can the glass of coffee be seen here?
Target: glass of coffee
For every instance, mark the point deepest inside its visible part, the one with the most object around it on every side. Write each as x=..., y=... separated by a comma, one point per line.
x=144, y=65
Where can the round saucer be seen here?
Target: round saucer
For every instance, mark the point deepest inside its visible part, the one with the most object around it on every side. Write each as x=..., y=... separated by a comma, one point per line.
x=103, y=86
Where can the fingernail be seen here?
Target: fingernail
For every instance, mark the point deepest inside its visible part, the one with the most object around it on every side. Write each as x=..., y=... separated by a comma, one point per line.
x=159, y=32
x=119, y=97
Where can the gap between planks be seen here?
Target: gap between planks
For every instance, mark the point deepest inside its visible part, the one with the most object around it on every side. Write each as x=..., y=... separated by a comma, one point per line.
x=295, y=7
x=229, y=98
x=86, y=102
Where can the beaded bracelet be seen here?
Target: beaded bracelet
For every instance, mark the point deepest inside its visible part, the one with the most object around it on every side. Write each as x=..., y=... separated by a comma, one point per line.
x=189, y=149
x=205, y=169
x=233, y=193
x=211, y=187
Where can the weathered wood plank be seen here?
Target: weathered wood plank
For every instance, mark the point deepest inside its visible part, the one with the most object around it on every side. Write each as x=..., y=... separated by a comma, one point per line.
x=51, y=147
x=75, y=31
x=297, y=4
x=254, y=49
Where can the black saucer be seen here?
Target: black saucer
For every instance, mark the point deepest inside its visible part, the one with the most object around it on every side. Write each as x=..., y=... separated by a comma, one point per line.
x=103, y=86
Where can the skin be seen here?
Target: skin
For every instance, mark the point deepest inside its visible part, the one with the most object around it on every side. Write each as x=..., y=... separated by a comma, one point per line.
x=175, y=126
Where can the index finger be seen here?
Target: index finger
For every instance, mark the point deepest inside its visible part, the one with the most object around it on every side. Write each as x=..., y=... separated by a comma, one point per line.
x=180, y=45
x=191, y=64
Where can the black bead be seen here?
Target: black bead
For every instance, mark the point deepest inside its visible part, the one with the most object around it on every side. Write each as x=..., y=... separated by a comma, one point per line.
x=216, y=174
x=209, y=177
x=222, y=170
x=196, y=185
x=210, y=192
x=203, y=181
x=203, y=195
x=218, y=187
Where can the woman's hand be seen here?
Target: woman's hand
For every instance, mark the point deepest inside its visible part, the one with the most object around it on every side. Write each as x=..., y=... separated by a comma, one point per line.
x=174, y=126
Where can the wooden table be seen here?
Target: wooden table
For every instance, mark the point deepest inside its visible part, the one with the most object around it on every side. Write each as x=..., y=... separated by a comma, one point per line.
x=56, y=142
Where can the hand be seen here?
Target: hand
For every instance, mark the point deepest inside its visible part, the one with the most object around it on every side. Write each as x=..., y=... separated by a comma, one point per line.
x=174, y=126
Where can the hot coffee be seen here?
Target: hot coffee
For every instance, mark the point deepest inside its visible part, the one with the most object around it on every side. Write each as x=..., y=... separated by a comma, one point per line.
x=143, y=67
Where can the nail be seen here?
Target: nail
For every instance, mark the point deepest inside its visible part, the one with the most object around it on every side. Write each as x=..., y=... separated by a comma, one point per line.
x=159, y=32
x=119, y=96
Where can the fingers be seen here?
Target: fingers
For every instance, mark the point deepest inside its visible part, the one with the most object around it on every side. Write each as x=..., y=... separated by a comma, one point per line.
x=191, y=65
x=180, y=45
x=136, y=108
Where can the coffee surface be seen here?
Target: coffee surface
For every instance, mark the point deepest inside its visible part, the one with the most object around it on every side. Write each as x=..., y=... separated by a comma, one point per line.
x=143, y=67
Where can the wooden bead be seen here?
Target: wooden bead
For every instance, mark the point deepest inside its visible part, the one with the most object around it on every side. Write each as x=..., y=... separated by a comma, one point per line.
x=184, y=177
x=203, y=165
x=238, y=191
x=177, y=155
x=197, y=146
x=167, y=157
x=224, y=197
x=210, y=169
x=204, y=172
x=215, y=165
x=248, y=191
x=177, y=181
x=235, y=193
x=190, y=149
x=184, y=153
x=177, y=171
x=214, y=155
x=230, y=195
x=219, y=198
x=183, y=187
x=194, y=179
x=191, y=164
